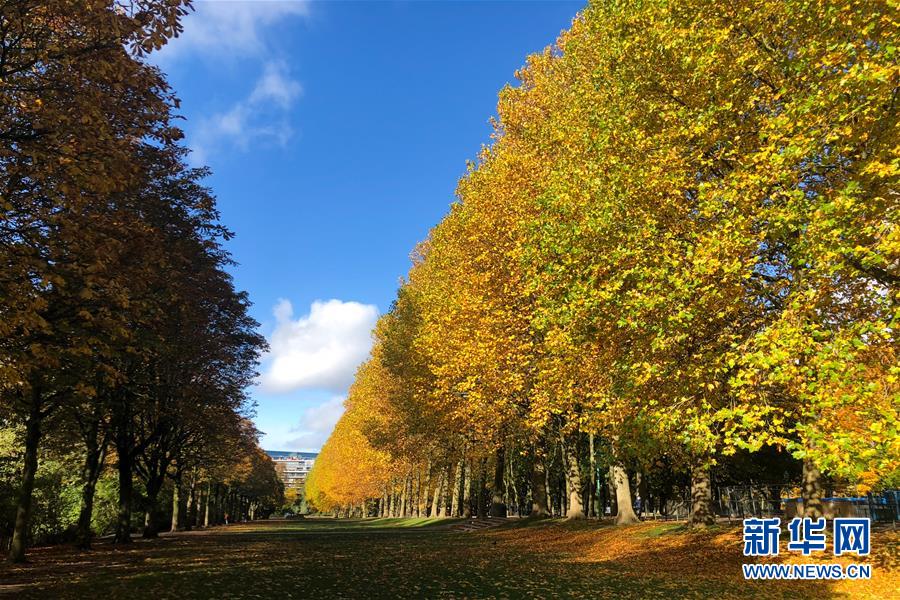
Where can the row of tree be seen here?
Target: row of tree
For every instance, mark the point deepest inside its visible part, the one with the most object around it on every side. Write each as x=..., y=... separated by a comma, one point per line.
x=122, y=336
x=679, y=254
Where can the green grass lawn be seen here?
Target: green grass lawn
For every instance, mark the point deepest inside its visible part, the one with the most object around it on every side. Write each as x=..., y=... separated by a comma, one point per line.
x=405, y=558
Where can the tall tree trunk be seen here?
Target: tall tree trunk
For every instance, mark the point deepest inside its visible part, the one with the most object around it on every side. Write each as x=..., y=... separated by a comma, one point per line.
x=176, y=503
x=221, y=491
x=403, y=495
x=604, y=496
x=539, y=508
x=197, y=515
x=425, y=488
x=436, y=499
x=467, y=491
x=624, y=504
x=209, y=500
x=29, y=470
x=225, y=515
x=200, y=505
x=811, y=494
x=613, y=494
x=191, y=512
x=126, y=483
x=456, y=490
x=592, y=480
x=222, y=510
x=498, y=507
x=441, y=493
x=563, y=494
x=93, y=465
x=481, y=484
x=701, y=498
x=94, y=458
x=511, y=484
x=152, y=521
x=573, y=478
x=549, y=490
x=643, y=490
x=212, y=493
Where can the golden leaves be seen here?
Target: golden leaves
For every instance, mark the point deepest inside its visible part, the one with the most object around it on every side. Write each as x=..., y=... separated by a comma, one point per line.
x=687, y=217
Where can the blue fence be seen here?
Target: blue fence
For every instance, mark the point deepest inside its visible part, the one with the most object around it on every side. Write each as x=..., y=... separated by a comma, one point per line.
x=738, y=502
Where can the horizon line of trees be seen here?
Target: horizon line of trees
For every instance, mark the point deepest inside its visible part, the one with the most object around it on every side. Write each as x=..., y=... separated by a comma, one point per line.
x=679, y=257
x=125, y=349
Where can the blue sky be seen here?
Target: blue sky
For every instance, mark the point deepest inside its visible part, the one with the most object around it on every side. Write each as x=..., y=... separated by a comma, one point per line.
x=336, y=132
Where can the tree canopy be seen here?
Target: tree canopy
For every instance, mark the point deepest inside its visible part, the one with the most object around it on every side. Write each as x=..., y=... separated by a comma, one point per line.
x=681, y=244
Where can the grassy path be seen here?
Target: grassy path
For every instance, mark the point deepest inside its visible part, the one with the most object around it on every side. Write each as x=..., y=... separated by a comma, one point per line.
x=320, y=558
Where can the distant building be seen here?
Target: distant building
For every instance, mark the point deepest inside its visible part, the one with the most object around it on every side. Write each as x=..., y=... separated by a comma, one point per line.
x=292, y=467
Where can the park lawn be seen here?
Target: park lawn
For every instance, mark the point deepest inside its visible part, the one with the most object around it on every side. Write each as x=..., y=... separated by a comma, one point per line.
x=326, y=558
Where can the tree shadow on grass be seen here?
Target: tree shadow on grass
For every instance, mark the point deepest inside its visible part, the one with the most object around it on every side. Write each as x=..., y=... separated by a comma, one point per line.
x=550, y=560
x=700, y=563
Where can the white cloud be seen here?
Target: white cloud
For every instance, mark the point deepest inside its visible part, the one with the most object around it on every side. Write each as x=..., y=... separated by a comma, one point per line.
x=320, y=350
x=316, y=425
x=275, y=86
x=222, y=29
x=238, y=30
x=259, y=118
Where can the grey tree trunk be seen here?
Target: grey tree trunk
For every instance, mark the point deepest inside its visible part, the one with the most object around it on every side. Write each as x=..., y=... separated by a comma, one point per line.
x=436, y=499
x=410, y=495
x=498, y=507
x=611, y=491
x=424, y=490
x=811, y=494
x=176, y=504
x=539, y=508
x=643, y=491
x=456, y=491
x=217, y=505
x=701, y=498
x=95, y=457
x=93, y=465
x=191, y=509
x=480, y=508
x=206, y=507
x=442, y=495
x=403, y=495
x=511, y=484
x=152, y=516
x=29, y=470
x=573, y=478
x=592, y=480
x=624, y=511
x=126, y=483
x=199, y=505
x=548, y=490
x=467, y=491
x=416, y=504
